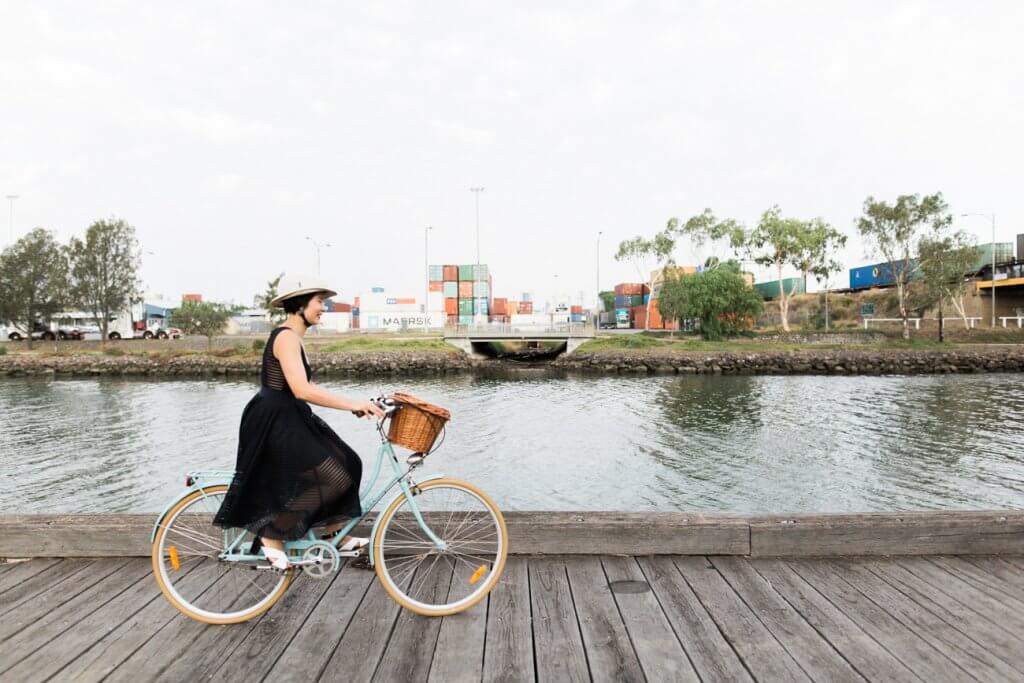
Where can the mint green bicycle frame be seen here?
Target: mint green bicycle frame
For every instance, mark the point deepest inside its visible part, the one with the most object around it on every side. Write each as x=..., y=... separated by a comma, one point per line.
x=232, y=553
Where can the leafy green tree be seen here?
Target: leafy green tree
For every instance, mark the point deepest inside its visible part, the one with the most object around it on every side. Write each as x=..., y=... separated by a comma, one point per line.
x=820, y=256
x=202, y=317
x=33, y=280
x=104, y=270
x=705, y=227
x=643, y=253
x=944, y=261
x=719, y=298
x=275, y=315
x=608, y=301
x=894, y=231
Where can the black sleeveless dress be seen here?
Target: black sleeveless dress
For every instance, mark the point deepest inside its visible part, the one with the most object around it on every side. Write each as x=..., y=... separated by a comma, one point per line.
x=292, y=472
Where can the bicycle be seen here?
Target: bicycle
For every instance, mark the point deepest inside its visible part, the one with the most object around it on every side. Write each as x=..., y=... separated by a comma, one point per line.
x=429, y=528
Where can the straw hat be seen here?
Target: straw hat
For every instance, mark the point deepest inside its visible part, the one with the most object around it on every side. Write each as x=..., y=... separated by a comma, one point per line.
x=297, y=285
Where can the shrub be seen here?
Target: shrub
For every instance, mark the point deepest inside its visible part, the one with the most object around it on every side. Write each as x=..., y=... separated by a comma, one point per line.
x=113, y=351
x=258, y=344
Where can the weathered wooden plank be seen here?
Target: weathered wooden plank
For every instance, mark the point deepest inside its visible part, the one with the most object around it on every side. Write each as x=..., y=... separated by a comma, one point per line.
x=971, y=596
x=98, y=622
x=587, y=533
x=308, y=653
x=709, y=652
x=984, y=580
x=258, y=652
x=611, y=655
x=508, y=650
x=1008, y=574
x=45, y=629
x=905, y=644
x=45, y=581
x=1001, y=643
x=359, y=651
x=863, y=652
x=657, y=647
x=558, y=643
x=816, y=655
x=908, y=533
x=971, y=657
x=183, y=644
x=44, y=605
x=114, y=648
x=459, y=653
x=19, y=572
x=762, y=654
x=410, y=650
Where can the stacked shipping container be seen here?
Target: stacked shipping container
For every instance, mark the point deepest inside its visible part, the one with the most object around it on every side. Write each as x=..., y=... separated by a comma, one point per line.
x=466, y=291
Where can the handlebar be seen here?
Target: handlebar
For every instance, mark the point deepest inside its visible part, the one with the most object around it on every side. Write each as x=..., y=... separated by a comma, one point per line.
x=388, y=405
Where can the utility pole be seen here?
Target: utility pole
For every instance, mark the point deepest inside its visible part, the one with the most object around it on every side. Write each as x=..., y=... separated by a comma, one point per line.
x=600, y=303
x=11, y=198
x=476, y=193
x=426, y=272
x=318, y=247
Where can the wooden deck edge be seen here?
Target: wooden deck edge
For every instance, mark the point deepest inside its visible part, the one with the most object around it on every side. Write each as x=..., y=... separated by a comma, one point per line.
x=622, y=533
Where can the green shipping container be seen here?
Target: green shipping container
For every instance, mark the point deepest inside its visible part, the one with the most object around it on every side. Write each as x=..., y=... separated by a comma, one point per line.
x=1004, y=253
x=637, y=300
x=465, y=320
x=451, y=290
x=465, y=307
x=770, y=290
x=481, y=290
x=466, y=273
x=480, y=272
x=436, y=273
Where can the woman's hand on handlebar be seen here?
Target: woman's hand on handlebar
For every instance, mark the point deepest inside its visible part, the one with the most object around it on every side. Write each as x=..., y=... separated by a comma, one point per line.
x=369, y=409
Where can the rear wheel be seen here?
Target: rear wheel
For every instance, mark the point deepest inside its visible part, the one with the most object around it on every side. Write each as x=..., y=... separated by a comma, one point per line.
x=433, y=582
x=114, y=335
x=187, y=565
x=147, y=335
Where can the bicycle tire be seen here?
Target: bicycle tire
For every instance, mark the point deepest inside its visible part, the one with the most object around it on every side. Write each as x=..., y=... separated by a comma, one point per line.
x=168, y=536
x=398, y=583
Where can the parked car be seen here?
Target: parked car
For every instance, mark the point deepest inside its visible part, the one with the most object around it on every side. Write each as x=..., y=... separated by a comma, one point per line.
x=39, y=331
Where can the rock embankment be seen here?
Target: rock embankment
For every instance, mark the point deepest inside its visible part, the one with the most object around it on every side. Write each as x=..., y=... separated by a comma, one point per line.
x=324, y=364
x=804, y=362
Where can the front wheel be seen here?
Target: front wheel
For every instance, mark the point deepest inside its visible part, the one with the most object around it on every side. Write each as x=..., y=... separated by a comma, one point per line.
x=192, y=576
x=433, y=582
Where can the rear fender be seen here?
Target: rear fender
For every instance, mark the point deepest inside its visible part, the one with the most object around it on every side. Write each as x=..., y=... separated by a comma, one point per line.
x=199, y=480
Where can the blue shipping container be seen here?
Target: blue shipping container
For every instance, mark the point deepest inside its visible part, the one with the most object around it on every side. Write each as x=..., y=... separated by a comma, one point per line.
x=878, y=275
x=647, y=298
x=623, y=301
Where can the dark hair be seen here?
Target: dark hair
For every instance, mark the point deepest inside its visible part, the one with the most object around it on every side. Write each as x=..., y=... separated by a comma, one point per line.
x=295, y=303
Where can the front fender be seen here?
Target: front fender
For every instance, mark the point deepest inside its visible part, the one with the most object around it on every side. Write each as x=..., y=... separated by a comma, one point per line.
x=376, y=522
x=200, y=480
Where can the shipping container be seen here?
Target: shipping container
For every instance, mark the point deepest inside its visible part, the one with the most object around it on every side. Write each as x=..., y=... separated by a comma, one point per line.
x=465, y=307
x=1020, y=247
x=451, y=290
x=577, y=318
x=451, y=306
x=499, y=307
x=466, y=290
x=576, y=310
x=481, y=289
x=623, y=302
x=770, y=290
x=466, y=319
x=1004, y=253
x=436, y=273
x=525, y=307
x=481, y=306
x=636, y=300
x=451, y=273
x=877, y=275
x=646, y=298
x=436, y=286
x=481, y=273
x=466, y=273
x=526, y=297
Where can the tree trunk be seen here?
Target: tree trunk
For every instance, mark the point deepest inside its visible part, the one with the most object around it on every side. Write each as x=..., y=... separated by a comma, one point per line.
x=903, y=308
x=783, y=301
x=941, y=337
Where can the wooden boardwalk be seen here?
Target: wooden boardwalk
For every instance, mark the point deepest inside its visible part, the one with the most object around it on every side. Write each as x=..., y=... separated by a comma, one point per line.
x=614, y=618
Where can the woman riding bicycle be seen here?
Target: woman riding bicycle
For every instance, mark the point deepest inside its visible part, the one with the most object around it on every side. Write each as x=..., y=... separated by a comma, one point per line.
x=292, y=471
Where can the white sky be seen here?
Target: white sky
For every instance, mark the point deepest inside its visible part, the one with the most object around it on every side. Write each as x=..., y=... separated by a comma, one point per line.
x=227, y=132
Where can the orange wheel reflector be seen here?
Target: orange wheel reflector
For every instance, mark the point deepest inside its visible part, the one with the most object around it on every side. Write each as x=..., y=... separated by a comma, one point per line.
x=478, y=573
x=175, y=562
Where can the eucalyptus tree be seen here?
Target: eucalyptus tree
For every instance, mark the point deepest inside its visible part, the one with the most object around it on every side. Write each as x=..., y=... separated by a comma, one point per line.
x=33, y=280
x=945, y=260
x=104, y=270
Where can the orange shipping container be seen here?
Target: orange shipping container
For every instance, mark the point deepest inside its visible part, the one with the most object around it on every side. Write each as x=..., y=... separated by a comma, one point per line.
x=450, y=273
x=198, y=298
x=465, y=290
x=437, y=286
x=451, y=306
x=577, y=310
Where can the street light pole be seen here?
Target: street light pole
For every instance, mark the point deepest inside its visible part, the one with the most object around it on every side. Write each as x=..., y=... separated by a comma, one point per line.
x=11, y=198
x=476, y=193
x=600, y=304
x=426, y=272
x=318, y=246
x=993, y=217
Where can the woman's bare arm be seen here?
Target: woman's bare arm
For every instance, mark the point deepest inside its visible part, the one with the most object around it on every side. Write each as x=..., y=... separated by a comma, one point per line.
x=288, y=350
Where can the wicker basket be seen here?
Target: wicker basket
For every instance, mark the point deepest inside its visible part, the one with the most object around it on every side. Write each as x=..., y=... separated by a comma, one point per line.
x=416, y=424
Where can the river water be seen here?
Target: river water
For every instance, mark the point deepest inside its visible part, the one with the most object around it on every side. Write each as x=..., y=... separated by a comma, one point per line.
x=712, y=443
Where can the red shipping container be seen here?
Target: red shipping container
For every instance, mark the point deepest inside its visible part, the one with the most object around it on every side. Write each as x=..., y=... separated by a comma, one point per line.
x=526, y=307
x=436, y=286
x=465, y=290
x=576, y=310
x=198, y=298
x=451, y=306
x=450, y=273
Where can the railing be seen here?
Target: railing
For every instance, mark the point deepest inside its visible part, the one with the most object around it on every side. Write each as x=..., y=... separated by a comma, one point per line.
x=916, y=321
x=554, y=329
x=1018, y=318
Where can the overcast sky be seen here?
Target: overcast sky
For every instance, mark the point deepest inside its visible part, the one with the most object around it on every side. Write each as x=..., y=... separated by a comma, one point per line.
x=226, y=132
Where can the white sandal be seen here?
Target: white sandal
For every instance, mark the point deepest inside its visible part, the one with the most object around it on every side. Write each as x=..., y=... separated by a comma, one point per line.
x=354, y=543
x=278, y=558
